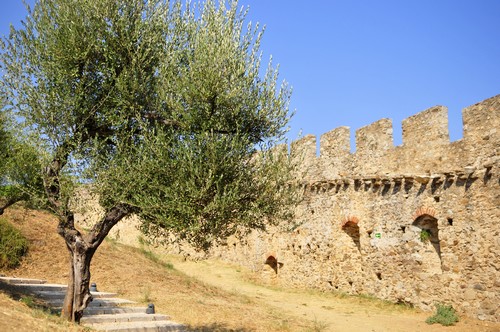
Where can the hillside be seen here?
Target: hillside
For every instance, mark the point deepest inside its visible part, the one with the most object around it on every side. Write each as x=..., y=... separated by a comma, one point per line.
x=208, y=296
x=17, y=316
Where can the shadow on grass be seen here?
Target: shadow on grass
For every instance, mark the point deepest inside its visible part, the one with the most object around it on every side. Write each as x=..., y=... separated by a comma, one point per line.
x=216, y=327
x=19, y=293
x=13, y=291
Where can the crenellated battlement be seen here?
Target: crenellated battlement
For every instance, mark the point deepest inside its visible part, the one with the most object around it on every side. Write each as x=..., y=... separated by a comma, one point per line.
x=415, y=223
x=425, y=149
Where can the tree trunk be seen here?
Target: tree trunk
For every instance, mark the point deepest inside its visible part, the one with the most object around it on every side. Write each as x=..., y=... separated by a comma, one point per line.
x=78, y=295
x=81, y=248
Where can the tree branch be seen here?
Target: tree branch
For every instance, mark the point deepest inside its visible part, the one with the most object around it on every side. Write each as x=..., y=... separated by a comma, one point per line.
x=102, y=228
x=52, y=171
x=66, y=228
x=10, y=202
x=153, y=117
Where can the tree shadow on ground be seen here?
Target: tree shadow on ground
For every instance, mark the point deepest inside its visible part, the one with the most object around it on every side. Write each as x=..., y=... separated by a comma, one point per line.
x=13, y=291
x=20, y=293
x=215, y=327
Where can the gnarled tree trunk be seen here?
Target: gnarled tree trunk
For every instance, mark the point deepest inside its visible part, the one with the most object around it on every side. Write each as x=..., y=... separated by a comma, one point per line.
x=81, y=248
x=9, y=202
x=78, y=295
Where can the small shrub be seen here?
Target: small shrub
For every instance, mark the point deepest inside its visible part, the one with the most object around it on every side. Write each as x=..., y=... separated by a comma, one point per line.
x=318, y=326
x=425, y=235
x=13, y=245
x=445, y=315
x=28, y=300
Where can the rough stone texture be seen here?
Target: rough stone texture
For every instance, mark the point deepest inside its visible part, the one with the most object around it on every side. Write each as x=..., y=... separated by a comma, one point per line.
x=334, y=151
x=361, y=220
x=360, y=226
x=88, y=211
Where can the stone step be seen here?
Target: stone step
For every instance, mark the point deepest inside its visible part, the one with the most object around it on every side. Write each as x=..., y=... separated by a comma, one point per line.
x=61, y=294
x=112, y=310
x=140, y=326
x=103, y=295
x=48, y=295
x=104, y=312
x=108, y=302
x=44, y=287
x=128, y=317
x=21, y=281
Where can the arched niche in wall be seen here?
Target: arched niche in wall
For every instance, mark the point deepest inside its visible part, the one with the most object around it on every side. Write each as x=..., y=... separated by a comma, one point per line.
x=272, y=261
x=428, y=235
x=351, y=228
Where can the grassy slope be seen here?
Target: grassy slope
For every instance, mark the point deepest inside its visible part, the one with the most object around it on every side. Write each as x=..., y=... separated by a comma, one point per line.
x=21, y=312
x=130, y=273
x=17, y=316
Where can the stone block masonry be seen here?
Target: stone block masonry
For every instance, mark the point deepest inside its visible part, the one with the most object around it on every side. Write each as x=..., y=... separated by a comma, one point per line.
x=417, y=223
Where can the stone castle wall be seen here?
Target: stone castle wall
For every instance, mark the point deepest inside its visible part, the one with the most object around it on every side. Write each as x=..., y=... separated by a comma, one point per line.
x=359, y=228
x=417, y=223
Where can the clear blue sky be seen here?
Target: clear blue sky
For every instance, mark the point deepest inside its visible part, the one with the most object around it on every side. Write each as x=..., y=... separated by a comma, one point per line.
x=353, y=62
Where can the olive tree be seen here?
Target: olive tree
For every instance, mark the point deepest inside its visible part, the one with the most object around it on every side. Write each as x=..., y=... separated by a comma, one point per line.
x=162, y=108
x=20, y=178
x=5, y=139
x=6, y=198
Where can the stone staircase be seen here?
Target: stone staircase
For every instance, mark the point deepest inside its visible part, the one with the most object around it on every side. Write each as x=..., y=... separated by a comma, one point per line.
x=106, y=312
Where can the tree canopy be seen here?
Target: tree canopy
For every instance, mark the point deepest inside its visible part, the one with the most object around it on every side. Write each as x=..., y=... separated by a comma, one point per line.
x=19, y=166
x=161, y=107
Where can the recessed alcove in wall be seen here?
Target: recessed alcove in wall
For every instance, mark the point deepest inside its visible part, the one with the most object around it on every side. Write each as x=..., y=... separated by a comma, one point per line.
x=428, y=234
x=273, y=263
x=351, y=228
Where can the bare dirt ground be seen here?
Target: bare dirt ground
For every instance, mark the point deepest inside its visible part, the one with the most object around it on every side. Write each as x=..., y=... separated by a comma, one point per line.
x=328, y=312
x=207, y=295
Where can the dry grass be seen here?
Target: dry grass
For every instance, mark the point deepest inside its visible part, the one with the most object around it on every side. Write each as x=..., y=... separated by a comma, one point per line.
x=130, y=273
x=17, y=316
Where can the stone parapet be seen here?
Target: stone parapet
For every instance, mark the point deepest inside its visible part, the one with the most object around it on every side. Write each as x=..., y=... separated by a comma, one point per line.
x=426, y=145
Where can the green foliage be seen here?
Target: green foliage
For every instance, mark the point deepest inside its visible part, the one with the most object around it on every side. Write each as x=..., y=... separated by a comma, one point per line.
x=445, y=315
x=160, y=106
x=425, y=235
x=6, y=191
x=13, y=245
x=19, y=166
x=29, y=301
x=5, y=140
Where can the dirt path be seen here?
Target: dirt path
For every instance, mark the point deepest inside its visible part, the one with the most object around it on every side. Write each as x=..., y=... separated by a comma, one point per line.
x=326, y=311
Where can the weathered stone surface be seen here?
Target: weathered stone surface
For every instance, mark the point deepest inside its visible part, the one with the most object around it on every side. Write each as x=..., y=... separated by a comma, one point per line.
x=449, y=189
x=417, y=223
